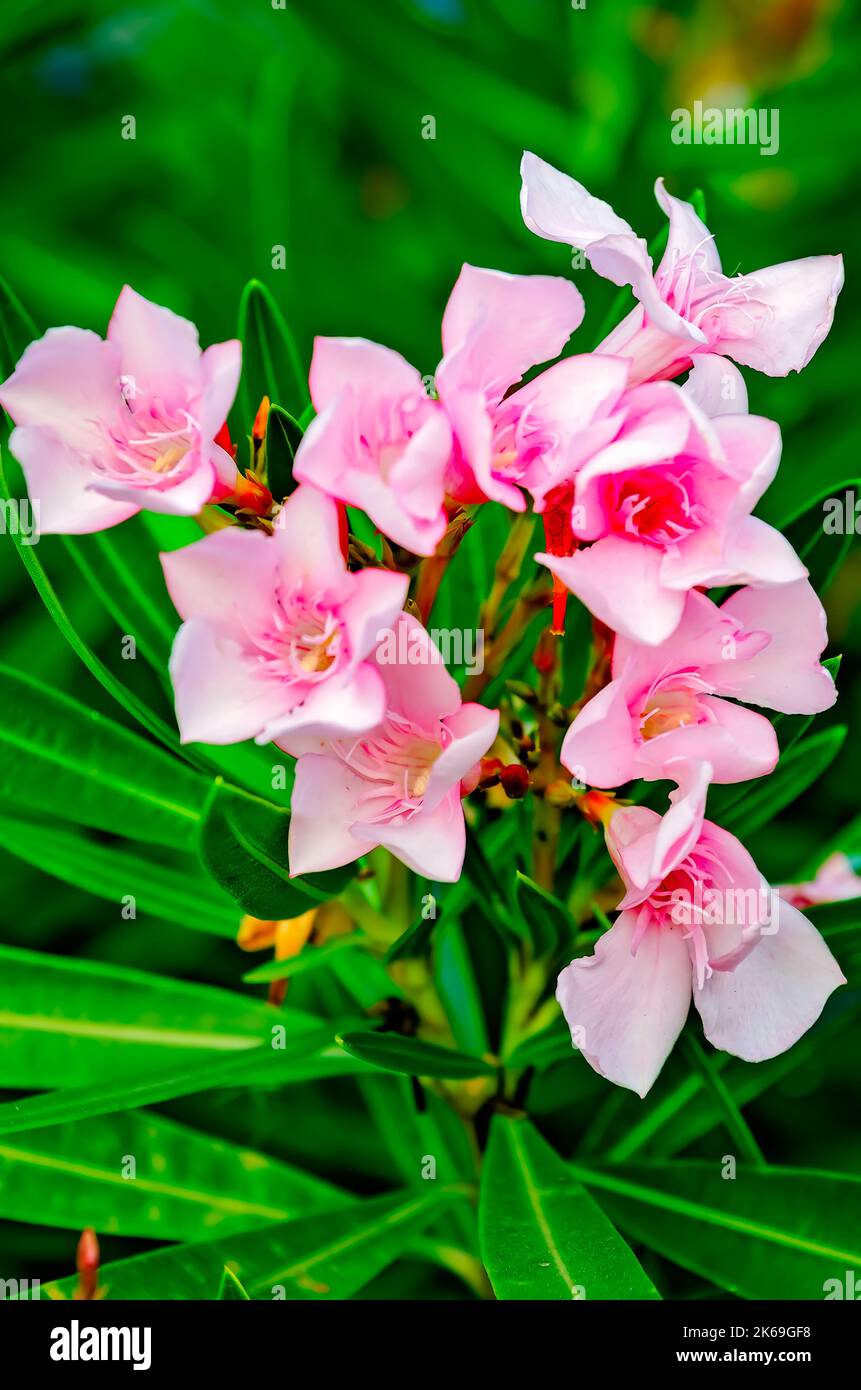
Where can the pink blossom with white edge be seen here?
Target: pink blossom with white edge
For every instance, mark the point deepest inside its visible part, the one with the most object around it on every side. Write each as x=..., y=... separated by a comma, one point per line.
x=706, y=927
x=108, y=427
x=665, y=506
x=772, y=319
x=276, y=632
x=398, y=786
x=835, y=881
x=676, y=700
x=382, y=444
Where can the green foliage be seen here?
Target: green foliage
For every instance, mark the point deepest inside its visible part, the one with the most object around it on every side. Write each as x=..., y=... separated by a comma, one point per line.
x=301, y=1146
x=542, y=1235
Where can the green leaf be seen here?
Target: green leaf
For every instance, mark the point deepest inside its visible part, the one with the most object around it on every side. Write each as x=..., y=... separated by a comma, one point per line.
x=547, y=920
x=230, y=1287
x=542, y=1235
x=309, y=959
x=17, y=329
x=745, y=808
x=243, y=844
x=137, y=1174
x=309, y=1054
x=67, y=1022
x=283, y=437
x=412, y=1056
x=326, y=1256
x=122, y=568
x=184, y=896
x=271, y=365
x=736, y=1125
x=58, y=756
x=458, y=989
x=542, y=1049
x=773, y=1233
x=414, y=943
x=823, y=552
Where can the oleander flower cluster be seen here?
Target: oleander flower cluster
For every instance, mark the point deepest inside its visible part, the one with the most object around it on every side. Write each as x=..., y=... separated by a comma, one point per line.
x=644, y=465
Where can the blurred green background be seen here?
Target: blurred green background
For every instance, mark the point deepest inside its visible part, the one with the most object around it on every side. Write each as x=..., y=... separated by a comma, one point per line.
x=259, y=127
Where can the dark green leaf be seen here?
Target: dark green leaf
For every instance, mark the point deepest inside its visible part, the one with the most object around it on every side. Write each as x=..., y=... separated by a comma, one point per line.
x=283, y=437
x=60, y=757
x=137, y=1174
x=328, y=1256
x=243, y=844
x=271, y=365
x=763, y=1233
x=185, y=897
x=542, y=1235
x=393, y=1052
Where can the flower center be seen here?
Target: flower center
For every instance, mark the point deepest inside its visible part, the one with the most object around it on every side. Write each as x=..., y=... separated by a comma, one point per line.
x=673, y=703
x=395, y=763
x=655, y=506
x=671, y=709
x=150, y=446
x=302, y=641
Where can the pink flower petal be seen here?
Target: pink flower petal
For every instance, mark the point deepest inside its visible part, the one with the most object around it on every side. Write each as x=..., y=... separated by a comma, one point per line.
x=228, y=578
x=473, y=729
x=431, y=843
x=67, y=382
x=785, y=675
x=558, y=208
x=221, y=696
x=793, y=308
x=717, y=387
x=417, y=683
x=599, y=746
x=626, y=1010
x=500, y=325
x=323, y=808
x=363, y=366
x=688, y=235
x=620, y=582
x=307, y=536
x=159, y=349
x=774, y=995
x=58, y=481
x=334, y=709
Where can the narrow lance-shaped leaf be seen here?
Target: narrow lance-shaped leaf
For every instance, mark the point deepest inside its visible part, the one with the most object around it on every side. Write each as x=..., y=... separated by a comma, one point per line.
x=243, y=844
x=58, y=756
x=327, y=1256
x=759, y=1233
x=181, y=895
x=542, y=1235
x=136, y=1174
x=67, y=1022
x=271, y=365
x=413, y=1056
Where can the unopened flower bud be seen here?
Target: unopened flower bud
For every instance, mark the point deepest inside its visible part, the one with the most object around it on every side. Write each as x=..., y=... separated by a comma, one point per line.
x=515, y=781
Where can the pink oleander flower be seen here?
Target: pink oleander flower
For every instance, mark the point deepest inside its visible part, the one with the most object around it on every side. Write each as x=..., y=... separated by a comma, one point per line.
x=698, y=921
x=398, y=786
x=382, y=444
x=496, y=327
x=665, y=505
x=773, y=319
x=669, y=702
x=107, y=427
x=276, y=632
x=835, y=881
